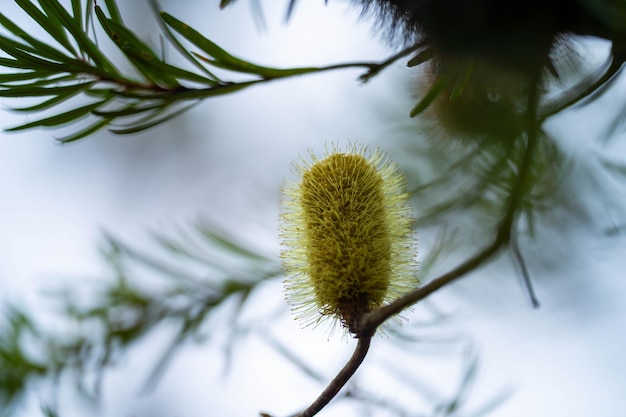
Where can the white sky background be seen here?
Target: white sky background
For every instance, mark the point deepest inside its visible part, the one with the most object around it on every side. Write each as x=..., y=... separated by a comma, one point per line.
x=225, y=161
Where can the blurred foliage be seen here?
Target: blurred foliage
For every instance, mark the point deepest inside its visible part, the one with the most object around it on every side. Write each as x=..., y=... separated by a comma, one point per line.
x=493, y=166
x=169, y=288
x=73, y=68
x=489, y=160
x=124, y=311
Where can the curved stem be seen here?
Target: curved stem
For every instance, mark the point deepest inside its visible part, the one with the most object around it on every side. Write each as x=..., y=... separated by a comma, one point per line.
x=368, y=324
x=140, y=90
x=585, y=89
x=340, y=380
x=519, y=260
x=370, y=321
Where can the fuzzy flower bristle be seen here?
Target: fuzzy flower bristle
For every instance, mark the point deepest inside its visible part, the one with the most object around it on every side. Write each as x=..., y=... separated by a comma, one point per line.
x=347, y=236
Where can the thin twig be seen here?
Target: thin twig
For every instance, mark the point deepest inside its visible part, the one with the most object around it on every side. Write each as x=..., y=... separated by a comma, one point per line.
x=340, y=380
x=370, y=321
x=139, y=90
x=519, y=259
x=585, y=89
x=375, y=69
x=366, y=326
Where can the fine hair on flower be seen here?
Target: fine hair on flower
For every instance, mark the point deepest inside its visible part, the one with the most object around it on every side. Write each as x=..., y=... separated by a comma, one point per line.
x=347, y=236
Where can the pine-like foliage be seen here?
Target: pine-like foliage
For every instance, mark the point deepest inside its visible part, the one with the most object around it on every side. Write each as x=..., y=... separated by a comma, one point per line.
x=489, y=162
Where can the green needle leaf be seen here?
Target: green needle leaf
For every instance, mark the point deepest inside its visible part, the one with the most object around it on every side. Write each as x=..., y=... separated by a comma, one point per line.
x=163, y=68
x=196, y=38
x=180, y=48
x=30, y=91
x=86, y=132
x=264, y=72
x=423, y=104
x=38, y=47
x=13, y=63
x=421, y=57
x=153, y=122
x=114, y=11
x=129, y=110
x=77, y=11
x=52, y=80
x=222, y=59
x=63, y=118
x=50, y=25
x=460, y=85
x=191, y=94
x=84, y=42
x=135, y=50
x=26, y=59
x=227, y=243
x=22, y=76
x=47, y=103
x=225, y=3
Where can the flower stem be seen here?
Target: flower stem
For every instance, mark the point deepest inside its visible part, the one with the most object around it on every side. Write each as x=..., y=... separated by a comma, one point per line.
x=340, y=380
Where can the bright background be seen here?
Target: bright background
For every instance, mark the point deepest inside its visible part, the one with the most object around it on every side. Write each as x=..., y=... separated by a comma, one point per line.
x=225, y=161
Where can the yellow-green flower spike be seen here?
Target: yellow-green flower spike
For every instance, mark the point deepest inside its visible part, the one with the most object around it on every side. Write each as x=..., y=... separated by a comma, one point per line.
x=347, y=236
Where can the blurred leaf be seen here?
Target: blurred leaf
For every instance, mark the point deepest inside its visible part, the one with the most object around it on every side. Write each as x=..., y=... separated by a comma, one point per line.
x=493, y=403
x=478, y=179
x=77, y=14
x=220, y=58
x=292, y=357
x=23, y=76
x=114, y=11
x=16, y=368
x=180, y=48
x=48, y=71
x=133, y=47
x=75, y=28
x=150, y=61
x=461, y=83
x=466, y=383
x=49, y=411
x=228, y=244
x=421, y=57
x=197, y=39
x=428, y=99
x=13, y=63
x=616, y=167
x=128, y=110
x=587, y=90
x=50, y=102
x=85, y=132
x=28, y=91
x=39, y=47
x=225, y=3
x=51, y=25
x=54, y=80
x=152, y=120
x=28, y=61
x=190, y=94
x=63, y=118
x=62, y=21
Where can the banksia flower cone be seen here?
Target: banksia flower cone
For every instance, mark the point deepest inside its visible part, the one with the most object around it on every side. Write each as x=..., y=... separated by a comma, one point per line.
x=347, y=236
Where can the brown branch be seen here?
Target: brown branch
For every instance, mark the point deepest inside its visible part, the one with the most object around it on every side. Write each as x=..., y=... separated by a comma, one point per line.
x=369, y=322
x=340, y=380
x=366, y=326
x=139, y=90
